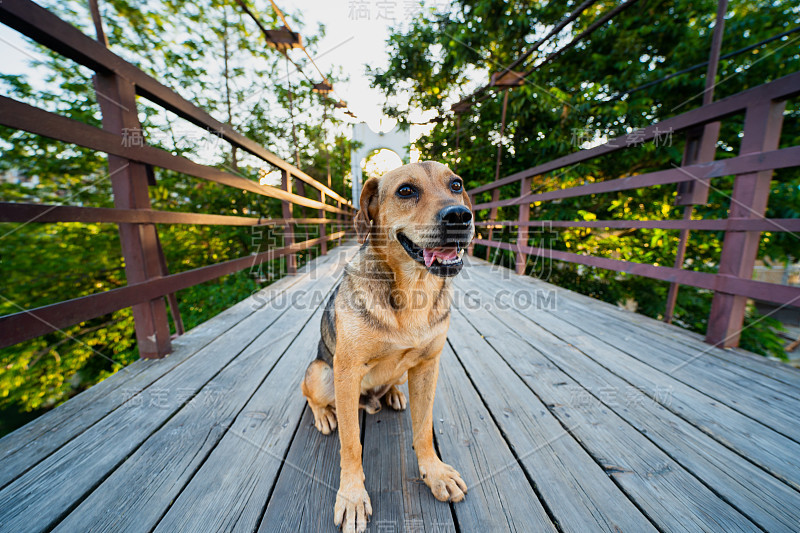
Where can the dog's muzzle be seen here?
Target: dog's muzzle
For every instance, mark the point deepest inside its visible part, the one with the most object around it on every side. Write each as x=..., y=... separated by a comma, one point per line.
x=442, y=246
x=456, y=221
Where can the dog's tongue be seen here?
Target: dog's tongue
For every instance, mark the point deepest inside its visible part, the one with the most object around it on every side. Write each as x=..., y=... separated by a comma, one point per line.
x=445, y=254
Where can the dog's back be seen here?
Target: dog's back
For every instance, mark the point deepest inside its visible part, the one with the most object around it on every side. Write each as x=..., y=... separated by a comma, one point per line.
x=327, y=330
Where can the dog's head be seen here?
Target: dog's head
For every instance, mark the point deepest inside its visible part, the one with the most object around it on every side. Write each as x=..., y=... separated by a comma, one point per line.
x=420, y=213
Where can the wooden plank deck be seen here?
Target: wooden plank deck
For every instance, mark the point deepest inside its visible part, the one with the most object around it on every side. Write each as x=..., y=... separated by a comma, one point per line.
x=562, y=413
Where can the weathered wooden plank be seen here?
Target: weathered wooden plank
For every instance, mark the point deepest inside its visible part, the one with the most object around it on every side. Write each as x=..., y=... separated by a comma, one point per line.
x=745, y=393
x=305, y=491
x=229, y=491
x=578, y=493
x=766, y=500
x=400, y=499
x=772, y=451
x=310, y=480
x=60, y=481
x=767, y=371
x=27, y=446
x=499, y=497
x=140, y=490
x=693, y=343
x=763, y=498
x=669, y=494
x=771, y=402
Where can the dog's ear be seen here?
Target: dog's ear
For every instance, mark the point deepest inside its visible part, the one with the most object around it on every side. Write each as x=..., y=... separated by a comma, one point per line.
x=368, y=210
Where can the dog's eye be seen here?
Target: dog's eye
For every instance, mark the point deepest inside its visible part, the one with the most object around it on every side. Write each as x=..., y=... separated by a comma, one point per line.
x=456, y=186
x=406, y=191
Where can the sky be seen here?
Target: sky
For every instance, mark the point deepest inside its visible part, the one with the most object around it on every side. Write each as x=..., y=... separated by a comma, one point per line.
x=356, y=33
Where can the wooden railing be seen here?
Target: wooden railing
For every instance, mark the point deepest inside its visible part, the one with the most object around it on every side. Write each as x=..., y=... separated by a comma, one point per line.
x=117, y=83
x=759, y=155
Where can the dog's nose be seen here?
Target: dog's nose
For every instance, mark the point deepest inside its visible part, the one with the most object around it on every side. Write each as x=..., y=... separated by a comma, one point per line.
x=455, y=216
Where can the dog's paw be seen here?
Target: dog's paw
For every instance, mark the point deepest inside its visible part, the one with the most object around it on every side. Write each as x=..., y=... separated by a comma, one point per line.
x=443, y=480
x=324, y=419
x=396, y=399
x=352, y=508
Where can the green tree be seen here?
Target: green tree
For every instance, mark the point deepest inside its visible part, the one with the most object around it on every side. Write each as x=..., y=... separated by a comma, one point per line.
x=214, y=56
x=584, y=96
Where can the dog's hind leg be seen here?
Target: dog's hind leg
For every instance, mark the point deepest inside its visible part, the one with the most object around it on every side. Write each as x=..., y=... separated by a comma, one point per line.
x=318, y=389
x=395, y=398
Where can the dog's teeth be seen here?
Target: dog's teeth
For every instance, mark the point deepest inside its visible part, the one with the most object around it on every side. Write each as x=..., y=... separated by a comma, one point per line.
x=461, y=253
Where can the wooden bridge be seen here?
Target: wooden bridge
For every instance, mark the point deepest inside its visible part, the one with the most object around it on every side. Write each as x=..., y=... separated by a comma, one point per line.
x=562, y=413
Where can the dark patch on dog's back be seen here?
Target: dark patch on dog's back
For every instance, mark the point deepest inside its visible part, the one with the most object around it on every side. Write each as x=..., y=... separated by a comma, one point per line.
x=327, y=330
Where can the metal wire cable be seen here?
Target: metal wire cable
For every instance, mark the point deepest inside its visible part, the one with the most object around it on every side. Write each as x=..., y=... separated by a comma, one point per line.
x=265, y=32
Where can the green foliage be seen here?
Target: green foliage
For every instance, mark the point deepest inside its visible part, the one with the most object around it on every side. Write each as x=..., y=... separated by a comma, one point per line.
x=580, y=99
x=213, y=56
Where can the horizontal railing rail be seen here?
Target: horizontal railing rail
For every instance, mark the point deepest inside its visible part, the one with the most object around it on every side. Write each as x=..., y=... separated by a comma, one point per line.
x=117, y=83
x=780, y=89
x=21, y=116
x=772, y=160
x=26, y=325
x=724, y=224
x=759, y=156
x=21, y=212
x=47, y=29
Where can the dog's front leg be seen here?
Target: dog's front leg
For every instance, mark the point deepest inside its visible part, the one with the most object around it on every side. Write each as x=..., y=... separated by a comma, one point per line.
x=443, y=480
x=352, y=507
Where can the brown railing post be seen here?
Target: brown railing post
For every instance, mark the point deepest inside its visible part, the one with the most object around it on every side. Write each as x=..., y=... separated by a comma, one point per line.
x=471, y=247
x=492, y=218
x=341, y=221
x=496, y=191
x=140, y=245
x=322, y=228
x=701, y=147
x=762, y=129
x=522, y=230
x=288, y=233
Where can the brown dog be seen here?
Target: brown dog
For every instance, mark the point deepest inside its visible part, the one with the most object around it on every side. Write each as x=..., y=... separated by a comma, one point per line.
x=387, y=322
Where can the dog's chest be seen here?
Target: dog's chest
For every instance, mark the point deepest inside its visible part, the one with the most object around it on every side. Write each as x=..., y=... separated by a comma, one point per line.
x=398, y=355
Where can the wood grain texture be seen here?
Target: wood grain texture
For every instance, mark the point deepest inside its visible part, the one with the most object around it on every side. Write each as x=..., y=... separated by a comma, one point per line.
x=231, y=488
x=400, y=499
x=60, y=481
x=25, y=447
x=305, y=491
x=686, y=347
x=691, y=342
x=763, y=498
x=687, y=353
x=168, y=458
x=775, y=408
x=500, y=497
x=577, y=490
x=557, y=419
x=766, y=500
x=669, y=494
x=772, y=451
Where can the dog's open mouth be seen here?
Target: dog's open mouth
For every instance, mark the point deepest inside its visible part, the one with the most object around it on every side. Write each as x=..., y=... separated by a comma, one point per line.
x=442, y=261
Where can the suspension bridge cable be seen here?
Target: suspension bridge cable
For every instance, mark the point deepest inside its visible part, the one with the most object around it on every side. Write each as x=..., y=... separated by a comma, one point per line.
x=703, y=64
x=588, y=31
x=285, y=51
x=554, y=31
